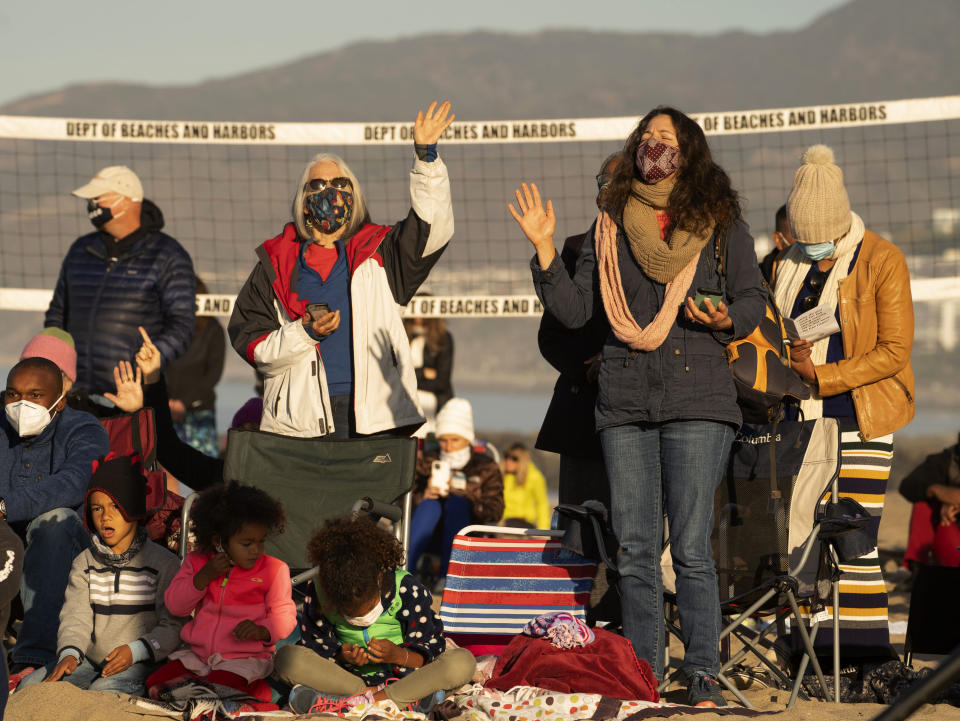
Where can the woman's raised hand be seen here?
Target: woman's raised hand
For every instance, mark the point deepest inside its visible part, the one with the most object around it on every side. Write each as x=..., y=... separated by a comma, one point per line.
x=536, y=221
x=129, y=395
x=429, y=126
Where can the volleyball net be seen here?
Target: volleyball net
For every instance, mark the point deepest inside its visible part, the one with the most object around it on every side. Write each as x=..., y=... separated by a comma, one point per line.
x=225, y=187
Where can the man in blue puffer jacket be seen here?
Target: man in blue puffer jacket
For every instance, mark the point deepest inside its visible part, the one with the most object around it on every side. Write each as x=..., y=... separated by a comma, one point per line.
x=125, y=274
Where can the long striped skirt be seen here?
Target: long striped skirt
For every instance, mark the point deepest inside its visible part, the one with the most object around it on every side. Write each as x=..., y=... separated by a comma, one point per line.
x=864, y=628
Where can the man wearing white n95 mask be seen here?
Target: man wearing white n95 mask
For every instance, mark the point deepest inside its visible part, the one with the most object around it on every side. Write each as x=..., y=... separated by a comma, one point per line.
x=46, y=455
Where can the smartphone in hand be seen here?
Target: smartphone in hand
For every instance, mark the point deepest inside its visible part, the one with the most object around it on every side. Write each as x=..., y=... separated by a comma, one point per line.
x=440, y=477
x=713, y=294
x=316, y=311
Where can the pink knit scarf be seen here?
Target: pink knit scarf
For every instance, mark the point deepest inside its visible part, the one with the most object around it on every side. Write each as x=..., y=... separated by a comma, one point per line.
x=615, y=303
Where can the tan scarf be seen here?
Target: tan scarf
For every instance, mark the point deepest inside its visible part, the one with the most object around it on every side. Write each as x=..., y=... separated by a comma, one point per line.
x=660, y=260
x=622, y=322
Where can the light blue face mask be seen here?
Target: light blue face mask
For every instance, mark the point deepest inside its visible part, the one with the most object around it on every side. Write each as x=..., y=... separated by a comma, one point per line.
x=817, y=251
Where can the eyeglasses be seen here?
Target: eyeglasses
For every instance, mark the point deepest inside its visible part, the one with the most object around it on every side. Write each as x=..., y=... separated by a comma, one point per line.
x=815, y=282
x=318, y=184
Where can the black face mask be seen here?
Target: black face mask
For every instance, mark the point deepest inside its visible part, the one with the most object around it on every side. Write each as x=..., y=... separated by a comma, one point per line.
x=98, y=216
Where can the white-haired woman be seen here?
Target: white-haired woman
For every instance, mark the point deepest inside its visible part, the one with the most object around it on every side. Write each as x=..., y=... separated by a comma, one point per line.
x=319, y=315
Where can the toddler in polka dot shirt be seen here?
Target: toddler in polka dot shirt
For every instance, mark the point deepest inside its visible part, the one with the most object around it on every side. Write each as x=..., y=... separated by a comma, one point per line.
x=369, y=623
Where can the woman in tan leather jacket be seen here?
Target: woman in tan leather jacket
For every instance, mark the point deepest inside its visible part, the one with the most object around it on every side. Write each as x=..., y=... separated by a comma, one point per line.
x=860, y=375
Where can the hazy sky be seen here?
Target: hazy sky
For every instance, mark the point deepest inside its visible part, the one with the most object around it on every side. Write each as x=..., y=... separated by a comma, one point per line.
x=48, y=44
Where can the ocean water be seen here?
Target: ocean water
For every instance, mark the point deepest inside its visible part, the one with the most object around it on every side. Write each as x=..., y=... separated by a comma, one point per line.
x=498, y=410
x=493, y=410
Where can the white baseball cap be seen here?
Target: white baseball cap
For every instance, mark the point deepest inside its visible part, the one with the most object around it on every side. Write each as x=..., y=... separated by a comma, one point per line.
x=113, y=179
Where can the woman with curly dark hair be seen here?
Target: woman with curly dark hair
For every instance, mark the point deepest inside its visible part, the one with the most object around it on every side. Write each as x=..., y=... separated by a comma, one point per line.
x=370, y=621
x=667, y=407
x=240, y=597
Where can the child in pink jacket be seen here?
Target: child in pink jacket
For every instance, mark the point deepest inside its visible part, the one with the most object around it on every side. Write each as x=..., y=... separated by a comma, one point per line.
x=241, y=597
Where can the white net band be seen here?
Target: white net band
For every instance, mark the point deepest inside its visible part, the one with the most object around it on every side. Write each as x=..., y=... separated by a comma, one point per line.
x=570, y=130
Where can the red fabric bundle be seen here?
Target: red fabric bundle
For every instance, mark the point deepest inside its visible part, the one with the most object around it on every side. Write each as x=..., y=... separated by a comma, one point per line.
x=608, y=666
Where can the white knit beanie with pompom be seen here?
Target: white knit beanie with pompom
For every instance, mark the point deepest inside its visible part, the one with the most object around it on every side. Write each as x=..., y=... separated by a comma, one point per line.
x=818, y=208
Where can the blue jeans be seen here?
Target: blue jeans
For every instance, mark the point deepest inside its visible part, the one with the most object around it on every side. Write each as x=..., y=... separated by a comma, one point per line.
x=453, y=511
x=87, y=676
x=52, y=540
x=677, y=466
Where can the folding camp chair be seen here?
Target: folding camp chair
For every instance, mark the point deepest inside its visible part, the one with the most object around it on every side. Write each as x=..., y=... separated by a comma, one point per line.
x=317, y=479
x=930, y=625
x=769, y=547
x=495, y=585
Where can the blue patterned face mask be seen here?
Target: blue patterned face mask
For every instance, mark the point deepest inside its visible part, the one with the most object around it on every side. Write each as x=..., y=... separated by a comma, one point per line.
x=328, y=210
x=817, y=251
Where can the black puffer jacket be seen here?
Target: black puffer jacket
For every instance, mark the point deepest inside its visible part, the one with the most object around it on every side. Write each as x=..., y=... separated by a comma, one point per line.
x=107, y=288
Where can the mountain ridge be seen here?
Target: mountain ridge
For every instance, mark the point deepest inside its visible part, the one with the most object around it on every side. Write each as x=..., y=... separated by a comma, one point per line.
x=863, y=50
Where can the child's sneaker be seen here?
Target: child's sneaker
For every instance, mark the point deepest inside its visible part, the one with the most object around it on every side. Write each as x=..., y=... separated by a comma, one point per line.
x=704, y=691
x=303, y=698
x=427, y=703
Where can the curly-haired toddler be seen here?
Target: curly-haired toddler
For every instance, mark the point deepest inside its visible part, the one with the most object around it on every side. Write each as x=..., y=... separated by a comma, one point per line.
x=240, y=597
x=370, y=621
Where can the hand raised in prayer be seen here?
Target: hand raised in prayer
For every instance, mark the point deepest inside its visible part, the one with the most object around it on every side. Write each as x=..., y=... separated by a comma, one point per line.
x=430, y=126
x=536, y=220
x=149, y=359
x=129, y=395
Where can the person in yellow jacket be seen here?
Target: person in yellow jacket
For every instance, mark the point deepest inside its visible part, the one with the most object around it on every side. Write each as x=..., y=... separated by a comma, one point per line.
x=524, y=490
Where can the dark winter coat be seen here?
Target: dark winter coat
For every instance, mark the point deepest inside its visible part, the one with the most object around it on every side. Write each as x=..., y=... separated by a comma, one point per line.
x=193, y=376
x=687, y=377
x=186, y=463
x=569, y=427
x=107, y=288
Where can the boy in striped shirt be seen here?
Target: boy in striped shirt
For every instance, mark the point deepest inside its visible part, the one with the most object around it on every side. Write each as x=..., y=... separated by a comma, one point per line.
x=114, y=624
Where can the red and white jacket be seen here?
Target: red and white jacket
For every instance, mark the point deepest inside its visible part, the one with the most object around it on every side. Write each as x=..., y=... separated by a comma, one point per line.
x=387, y=266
